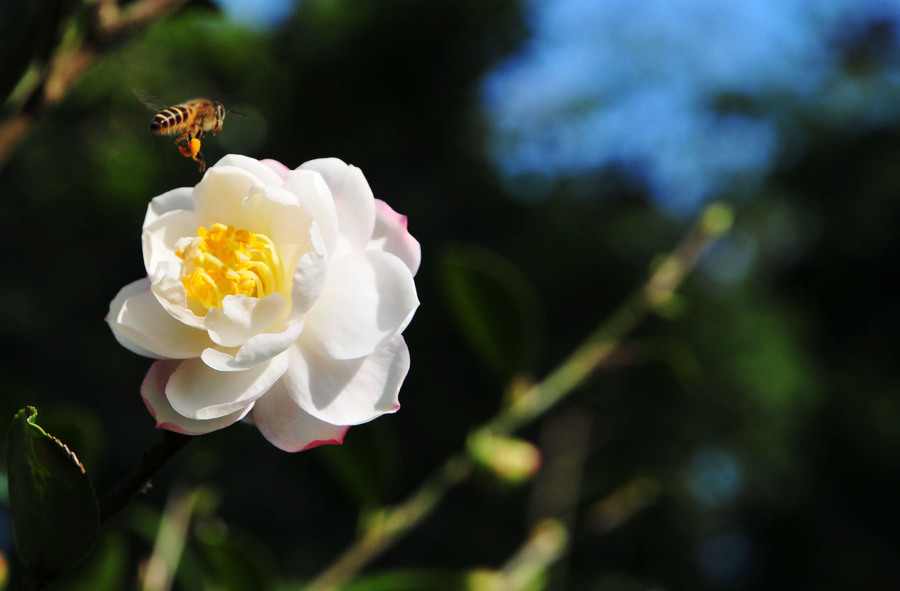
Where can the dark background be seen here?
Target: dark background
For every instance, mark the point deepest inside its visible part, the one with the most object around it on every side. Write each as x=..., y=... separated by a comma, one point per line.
x=763, y=409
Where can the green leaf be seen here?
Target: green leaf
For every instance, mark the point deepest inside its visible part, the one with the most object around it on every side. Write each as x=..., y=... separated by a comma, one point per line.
x=496, y=307
x=56, y=519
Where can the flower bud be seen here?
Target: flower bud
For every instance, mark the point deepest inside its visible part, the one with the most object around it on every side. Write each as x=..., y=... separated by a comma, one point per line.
x=511, y=460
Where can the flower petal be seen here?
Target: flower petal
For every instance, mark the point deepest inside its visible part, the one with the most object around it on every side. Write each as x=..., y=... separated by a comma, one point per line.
x=348, y=392
x=353, y=200
x=162, y=234
x=153, y=391
x=278, y=214
x=219, y=196
x=257, y=349
x=314, y=195
x=198, y=392
x=123, y=336
x=268, y=175
x=369, y=297
x=165, y=282
x=391, y=235
x=242, y=317
x=288, y=427
x=280, y=169
x=309, y=279
x=180, y=198
x=139, y=318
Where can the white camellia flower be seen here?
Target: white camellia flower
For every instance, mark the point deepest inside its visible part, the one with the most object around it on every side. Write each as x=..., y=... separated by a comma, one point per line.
x=275, y=296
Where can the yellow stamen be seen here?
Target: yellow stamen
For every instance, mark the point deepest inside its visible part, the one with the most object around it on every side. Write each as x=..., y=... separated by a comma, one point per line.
x=224, y=261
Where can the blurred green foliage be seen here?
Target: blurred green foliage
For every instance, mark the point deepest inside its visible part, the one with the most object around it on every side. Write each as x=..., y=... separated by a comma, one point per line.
x=772, y=387
x=495, y=306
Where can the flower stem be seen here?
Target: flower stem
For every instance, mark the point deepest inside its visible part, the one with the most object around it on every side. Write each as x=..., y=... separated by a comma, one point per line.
x=154, y=459
x=534, y=400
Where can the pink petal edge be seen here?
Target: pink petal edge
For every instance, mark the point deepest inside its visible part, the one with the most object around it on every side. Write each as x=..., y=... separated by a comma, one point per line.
x=391, y=234
x=388, y=211
x=317, y=443
x=154, y=382
x=166, y=426
x=279, y=168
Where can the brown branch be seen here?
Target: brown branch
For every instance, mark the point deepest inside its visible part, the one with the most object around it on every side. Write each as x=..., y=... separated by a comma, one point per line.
x=110, y=27
x=154, y=459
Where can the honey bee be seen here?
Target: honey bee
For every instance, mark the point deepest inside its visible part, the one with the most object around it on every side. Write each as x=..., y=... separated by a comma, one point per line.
x=191, y=121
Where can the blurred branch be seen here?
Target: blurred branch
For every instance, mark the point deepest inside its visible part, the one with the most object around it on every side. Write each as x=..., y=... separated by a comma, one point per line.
x=389, y=525
x=564, y=443
x=108, y=28
x=154, y=459
x=545, y=545
x=623, y=503
x=528, y=567
x=159, y=571
x=654, y=295
x=529, y=401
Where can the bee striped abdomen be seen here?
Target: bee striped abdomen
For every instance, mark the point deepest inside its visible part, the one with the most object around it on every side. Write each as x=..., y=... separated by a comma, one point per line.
x=169, y=120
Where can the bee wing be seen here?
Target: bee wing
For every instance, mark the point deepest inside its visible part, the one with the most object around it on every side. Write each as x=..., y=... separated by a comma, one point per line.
x=150, y=101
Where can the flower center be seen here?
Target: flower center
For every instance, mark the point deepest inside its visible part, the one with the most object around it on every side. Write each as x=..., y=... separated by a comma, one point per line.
x=223, y=261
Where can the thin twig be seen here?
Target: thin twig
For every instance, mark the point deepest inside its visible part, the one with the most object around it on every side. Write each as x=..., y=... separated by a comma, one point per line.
x=392, y=524
x=154, y=459
x=110, y=28
x=532, y=401
x=545, y=545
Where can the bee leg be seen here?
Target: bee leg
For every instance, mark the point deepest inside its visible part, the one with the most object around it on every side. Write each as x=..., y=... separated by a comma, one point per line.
x=199, y=158
x=195, y=153
x=190, y=148
x=184, y=144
